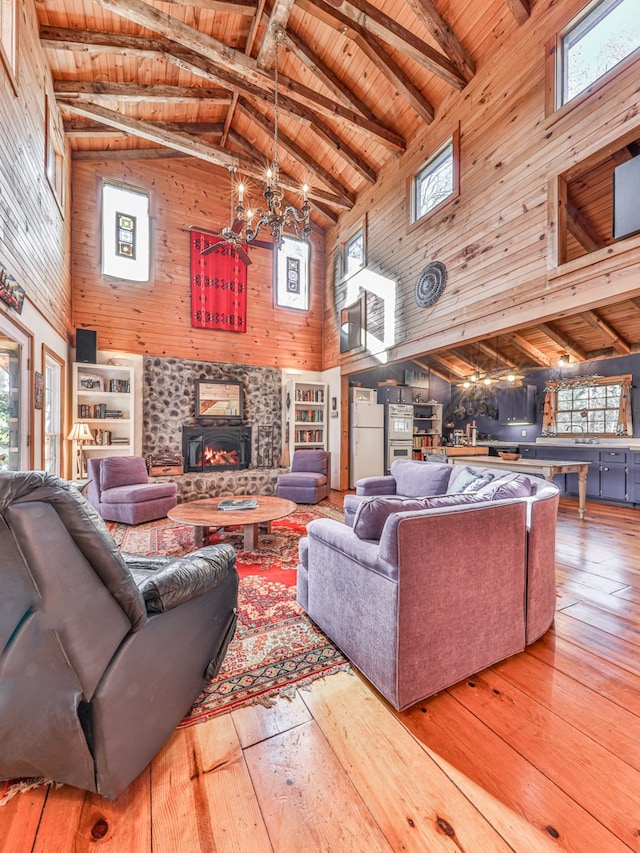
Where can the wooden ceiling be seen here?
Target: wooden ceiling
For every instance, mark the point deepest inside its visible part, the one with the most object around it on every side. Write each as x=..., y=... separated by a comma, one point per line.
x=358, y=80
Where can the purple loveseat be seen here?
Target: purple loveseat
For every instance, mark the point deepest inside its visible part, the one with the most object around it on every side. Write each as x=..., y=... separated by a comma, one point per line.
x=120, y=490
x=421, y=592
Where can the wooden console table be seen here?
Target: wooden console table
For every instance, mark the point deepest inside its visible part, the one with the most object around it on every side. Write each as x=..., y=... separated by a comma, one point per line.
x=547, y=468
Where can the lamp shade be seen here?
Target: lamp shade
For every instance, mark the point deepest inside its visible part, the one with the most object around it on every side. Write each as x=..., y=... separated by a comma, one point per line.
x=80, y=432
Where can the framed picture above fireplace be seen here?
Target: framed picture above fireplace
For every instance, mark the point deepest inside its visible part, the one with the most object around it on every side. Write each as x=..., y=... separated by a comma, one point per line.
x=219, y=400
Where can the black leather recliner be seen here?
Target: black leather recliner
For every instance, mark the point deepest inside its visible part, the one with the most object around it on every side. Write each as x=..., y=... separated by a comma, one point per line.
x=101, y=653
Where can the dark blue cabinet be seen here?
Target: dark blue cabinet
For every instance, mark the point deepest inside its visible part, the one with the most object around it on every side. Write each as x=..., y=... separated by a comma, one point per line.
x=517, y=405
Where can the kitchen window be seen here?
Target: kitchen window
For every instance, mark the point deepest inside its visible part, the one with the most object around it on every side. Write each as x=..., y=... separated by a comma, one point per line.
x=582, y=407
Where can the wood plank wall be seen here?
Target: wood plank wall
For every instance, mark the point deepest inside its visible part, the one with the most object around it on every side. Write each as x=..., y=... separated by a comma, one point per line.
x=493, y=238
x=154, y=318
x=34, y=232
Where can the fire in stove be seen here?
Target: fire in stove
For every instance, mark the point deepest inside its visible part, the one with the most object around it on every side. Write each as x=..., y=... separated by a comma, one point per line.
x=217, y=458
x=212, y=448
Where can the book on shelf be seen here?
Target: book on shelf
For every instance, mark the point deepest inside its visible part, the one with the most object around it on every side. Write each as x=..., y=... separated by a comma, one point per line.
x=242, y=503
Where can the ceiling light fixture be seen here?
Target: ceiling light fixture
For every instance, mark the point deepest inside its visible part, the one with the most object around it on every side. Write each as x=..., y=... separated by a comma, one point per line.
x=277, y=217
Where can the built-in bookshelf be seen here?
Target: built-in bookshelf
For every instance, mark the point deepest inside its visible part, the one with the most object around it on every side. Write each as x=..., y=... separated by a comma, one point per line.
x=103, y=397
x=427, y=427
x=306, y=415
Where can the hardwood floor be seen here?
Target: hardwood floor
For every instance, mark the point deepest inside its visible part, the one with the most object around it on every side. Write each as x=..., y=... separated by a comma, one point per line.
x=539, y=753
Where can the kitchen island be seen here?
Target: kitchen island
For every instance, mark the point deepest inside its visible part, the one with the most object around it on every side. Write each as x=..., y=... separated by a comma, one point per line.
x=547, y=468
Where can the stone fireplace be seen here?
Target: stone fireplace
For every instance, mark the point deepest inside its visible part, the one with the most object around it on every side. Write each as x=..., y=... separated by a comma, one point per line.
x=219, y=447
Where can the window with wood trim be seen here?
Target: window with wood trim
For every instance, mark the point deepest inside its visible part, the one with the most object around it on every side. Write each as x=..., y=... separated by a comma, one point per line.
x=125, y=232
x=436, y=182
x=353, y=251
x=9, y=39
x=597, y=407
x=292, y=274
x=600, y=38
x=54, y=154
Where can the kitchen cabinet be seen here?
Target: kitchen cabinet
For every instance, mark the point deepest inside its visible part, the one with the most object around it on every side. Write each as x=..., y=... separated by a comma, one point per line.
x=517, y=405
x=613, y=475
x=395, y=394
x=634, y=478
x=607, y=478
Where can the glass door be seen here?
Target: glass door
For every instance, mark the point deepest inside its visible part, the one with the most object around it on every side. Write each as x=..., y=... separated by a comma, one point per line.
x=14, y=385
x=52, y=414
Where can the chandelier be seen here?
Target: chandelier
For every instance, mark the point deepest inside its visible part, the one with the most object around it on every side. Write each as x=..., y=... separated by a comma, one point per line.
x=276, y=215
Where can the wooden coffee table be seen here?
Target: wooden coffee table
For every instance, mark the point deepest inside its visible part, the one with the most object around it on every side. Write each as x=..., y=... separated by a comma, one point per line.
x=204, y=514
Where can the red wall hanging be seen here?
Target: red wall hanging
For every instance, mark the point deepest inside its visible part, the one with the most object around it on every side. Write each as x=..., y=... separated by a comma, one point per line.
x=218, y=285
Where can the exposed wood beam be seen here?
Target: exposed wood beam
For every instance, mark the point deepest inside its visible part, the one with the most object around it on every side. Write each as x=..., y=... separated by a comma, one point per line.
x=329, y=78
x=622, y=156
x=87, y=129
x=551, y=331
x=375, y=51
x=520, y=10
x=616, y=340
x=277, y=24
x=130, y=154
x=440, y=363
x=243, y=68
x=188, y=145
x=495, y=355
x=577, y=226
x=253, y=32
x=82, y=40
x=171, y=139
x=534, y=353
x=462, y=357
x=321, y=129
x=636, y=301
x=444, y=36
x=237, y=7
x=430, y=368
x=296, y=151
x=342, y=16
x=134, y=93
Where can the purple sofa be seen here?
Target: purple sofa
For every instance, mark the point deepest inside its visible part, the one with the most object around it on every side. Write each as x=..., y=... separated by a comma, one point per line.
x=308, y=481
x=420, y=592
x=120, y=490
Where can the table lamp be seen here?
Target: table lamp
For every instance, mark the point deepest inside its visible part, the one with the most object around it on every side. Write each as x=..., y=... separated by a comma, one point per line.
x=80, y=433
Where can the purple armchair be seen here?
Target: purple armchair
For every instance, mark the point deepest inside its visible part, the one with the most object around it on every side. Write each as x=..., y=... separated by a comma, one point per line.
x=120, y=490
x=309, y=479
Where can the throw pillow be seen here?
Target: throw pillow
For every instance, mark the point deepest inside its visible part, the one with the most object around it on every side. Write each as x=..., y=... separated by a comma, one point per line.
x=118, y=471
x=469, y=480
x=373, y=512
x=416, y=479
x=513, y=486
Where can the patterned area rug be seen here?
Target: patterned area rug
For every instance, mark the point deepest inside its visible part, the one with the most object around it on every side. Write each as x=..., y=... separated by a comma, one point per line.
x=277, y=648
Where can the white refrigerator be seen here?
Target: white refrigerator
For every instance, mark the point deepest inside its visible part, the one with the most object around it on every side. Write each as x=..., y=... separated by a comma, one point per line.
x=366, y=444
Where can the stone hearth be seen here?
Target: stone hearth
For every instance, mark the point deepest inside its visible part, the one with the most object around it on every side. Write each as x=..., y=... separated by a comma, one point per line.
x=251, y=481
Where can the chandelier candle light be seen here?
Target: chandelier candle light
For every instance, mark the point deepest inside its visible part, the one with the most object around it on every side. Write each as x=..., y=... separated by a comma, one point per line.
x=279, y=219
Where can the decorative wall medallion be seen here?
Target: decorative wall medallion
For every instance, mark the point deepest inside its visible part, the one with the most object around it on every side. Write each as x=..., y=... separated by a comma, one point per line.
x=430, y=285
